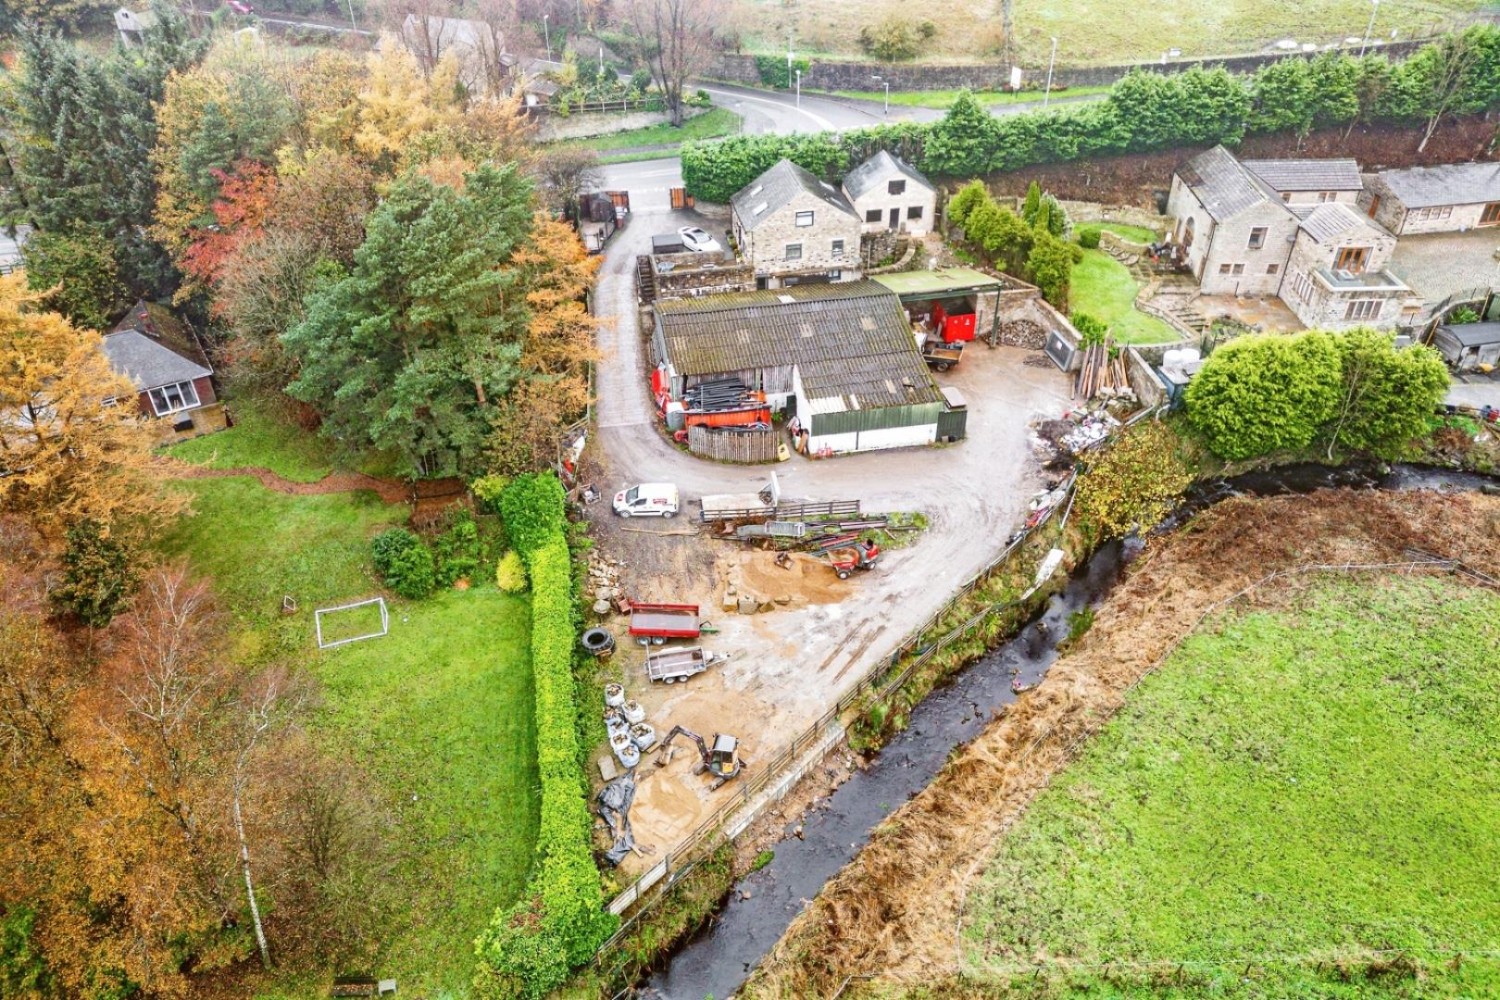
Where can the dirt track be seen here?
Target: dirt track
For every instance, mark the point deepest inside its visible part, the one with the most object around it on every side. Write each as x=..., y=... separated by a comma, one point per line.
x=894, y=911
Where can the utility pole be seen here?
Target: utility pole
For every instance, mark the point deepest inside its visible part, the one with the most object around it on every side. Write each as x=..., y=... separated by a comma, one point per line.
x=1047, y=94
x=799, y=88
x=1374, y=9
x=547, y=34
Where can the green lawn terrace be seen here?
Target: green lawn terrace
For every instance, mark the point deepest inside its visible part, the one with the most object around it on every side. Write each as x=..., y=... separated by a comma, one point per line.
x=1295, y=792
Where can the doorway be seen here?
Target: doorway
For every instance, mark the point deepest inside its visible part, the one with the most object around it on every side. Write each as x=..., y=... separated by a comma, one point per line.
x=895, y=218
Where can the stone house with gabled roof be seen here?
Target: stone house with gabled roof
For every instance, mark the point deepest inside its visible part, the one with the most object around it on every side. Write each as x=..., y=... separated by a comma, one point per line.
x=1442, y=199
x=890, y=194
x=1336, y=275
x=795, y=229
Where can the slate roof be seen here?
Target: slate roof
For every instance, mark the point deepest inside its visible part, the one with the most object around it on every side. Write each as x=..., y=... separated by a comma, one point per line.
x=1449, y=184
x=153, y=348
x=1331, y=220
x=1224, y=186
x=851, y=341
x=878, y=169
x=1473, y=334
x=777, y=187
x=1307, y=175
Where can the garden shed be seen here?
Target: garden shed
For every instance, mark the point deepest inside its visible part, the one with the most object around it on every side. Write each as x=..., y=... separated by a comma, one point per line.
x=1466, y=346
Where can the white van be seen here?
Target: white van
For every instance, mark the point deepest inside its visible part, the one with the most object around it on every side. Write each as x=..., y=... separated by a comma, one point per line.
x=647, y=500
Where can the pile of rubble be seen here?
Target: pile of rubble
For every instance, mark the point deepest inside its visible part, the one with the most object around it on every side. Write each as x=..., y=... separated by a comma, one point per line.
x=604, y=581
x=739, y=600
x=1023, y=333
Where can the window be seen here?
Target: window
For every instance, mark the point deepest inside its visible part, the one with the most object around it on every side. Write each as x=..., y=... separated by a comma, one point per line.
x=171, y=398
x=1426, y=214
x=1327, y=196
x=804, y=219
x=1272, y=268
x=1257, y=237
x=1286, y=196
x=914, y=212
x=896, y=187
x=1491, y=214
x=838, y=249
x=794, y=251
x=1231, y=268
x=1362, y=309
x=1302, y=286
x=1352, y=259
x=873, y=215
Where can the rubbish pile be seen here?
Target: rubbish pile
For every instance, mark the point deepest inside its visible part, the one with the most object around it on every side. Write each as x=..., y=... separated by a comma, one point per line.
x=1091, y=428
x=615, y=799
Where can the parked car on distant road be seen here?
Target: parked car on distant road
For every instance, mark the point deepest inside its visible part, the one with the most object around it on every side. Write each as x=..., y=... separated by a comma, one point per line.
x=696, y=239
x=238, y=7
x=647, y=500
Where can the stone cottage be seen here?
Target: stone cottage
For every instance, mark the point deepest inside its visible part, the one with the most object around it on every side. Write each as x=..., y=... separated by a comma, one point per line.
x=795, y=229
x=890, y=194
x=1443, y=199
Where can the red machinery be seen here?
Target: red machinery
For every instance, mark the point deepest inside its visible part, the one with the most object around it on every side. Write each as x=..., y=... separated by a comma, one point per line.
x=861, y=555
x=953, y=326
x=656, y=623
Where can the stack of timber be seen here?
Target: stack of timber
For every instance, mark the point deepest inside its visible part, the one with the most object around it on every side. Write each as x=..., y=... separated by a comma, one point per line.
x=1101, y=372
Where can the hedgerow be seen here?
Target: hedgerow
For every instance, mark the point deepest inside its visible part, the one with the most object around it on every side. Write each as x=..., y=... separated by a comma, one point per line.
x=529, y=947
x=1145, y=111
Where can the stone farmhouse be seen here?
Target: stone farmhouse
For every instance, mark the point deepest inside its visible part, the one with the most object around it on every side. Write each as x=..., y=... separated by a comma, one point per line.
x=1443, y=199
x=1287, y=229
x=795, y=228
x=890, y=194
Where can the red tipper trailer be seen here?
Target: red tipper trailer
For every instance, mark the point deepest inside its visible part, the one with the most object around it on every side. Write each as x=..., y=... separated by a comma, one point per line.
x=656, y=623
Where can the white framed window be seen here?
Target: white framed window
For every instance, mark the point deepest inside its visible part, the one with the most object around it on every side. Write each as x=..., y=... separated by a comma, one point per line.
x=804, y=219
x=173, y=398
x=1362, y=309
x=793, y=251
x=838, y=249
x=1257, y=237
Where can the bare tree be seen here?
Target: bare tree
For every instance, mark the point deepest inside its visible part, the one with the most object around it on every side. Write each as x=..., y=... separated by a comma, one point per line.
x=1448, y=65
x=423, y=26
x=565, y=174
x=494, y=42
x=675, y=37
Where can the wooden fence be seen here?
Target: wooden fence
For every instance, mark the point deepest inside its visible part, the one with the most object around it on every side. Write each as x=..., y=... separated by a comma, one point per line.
x=733, y=445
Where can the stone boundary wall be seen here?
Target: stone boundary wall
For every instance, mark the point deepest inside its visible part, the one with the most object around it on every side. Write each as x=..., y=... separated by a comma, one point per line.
x=1143, y=381
x=1081, y=213
x=588, y=124
x=833, y=75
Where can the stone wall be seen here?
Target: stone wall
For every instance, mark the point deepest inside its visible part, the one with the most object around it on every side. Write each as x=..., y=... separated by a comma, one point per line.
x=1143, y=381
x=701, y=274
x=831, y=242
x=584, y=125
x=1083, y=212
x=833, y=75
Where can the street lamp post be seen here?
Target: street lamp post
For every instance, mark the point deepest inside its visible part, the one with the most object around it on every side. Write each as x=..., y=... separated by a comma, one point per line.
x=799, y=88
x=1047, y=94
x=1374, y=9
x=352, y=21
x=547, y=35
x=887, y=84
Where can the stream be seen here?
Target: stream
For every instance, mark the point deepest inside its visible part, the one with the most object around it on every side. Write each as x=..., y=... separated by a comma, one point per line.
x=719, y=958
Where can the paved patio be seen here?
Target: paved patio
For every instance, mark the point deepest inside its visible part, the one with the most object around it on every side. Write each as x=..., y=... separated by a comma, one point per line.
x=1438, y=264
x=1269, y=314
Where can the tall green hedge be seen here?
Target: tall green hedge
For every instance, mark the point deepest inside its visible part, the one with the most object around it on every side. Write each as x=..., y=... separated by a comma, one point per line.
x=1455, y=75
x=529, y=947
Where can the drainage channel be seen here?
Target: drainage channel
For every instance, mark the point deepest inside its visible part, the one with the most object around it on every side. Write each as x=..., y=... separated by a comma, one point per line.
x=717, y=960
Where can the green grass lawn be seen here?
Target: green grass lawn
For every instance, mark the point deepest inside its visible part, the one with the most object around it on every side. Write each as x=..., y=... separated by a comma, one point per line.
x=1105, y=288
x=1135, y=234
x=712, y=124
x=1318, y=783
x=943, y=99
x=262, y=437
x=439, y=713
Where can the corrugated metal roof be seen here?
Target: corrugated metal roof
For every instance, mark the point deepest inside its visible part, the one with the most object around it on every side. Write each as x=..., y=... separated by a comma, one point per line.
x=1224, y=186
x=773, y=190
x=878, y=169
x=1307, y=175
x=1449, y=184
x=850, y=341
x=1331, y=220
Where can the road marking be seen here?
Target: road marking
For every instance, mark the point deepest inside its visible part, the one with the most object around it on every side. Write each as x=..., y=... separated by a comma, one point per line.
x=817, y=118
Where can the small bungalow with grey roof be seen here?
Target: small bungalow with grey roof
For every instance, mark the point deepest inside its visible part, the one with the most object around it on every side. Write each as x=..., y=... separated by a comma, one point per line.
x=889, y=193
x=795, y=229
x=1443, y=199
x=1310, y=182
x=840, y=358
x=172, y=376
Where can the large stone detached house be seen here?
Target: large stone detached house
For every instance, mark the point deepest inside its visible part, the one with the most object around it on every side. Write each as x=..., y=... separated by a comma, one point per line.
x=795, y=228
x=1442, y=199
x=890, y=194
x=1287, y=229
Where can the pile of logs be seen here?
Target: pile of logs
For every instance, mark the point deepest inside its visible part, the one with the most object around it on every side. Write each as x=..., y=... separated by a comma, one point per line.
x=1100, y=371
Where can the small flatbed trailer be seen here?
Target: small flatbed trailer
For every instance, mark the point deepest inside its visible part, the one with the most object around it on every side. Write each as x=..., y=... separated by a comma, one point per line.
x=941, y=355
x=672, y=665
x=656, y=623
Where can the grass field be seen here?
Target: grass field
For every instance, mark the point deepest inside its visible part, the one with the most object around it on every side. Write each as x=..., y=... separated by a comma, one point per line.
x=1088, y=32
x=1105, y=288
x=261, y=438
x=712, y=124
x=1319, y=784
x=438, y=713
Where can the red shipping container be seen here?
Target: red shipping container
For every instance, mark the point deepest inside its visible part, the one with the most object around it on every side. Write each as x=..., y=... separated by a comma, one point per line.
x=952, y=326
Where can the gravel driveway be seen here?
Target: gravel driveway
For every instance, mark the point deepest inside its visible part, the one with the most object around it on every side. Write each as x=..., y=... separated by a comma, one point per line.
x=789, y=665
